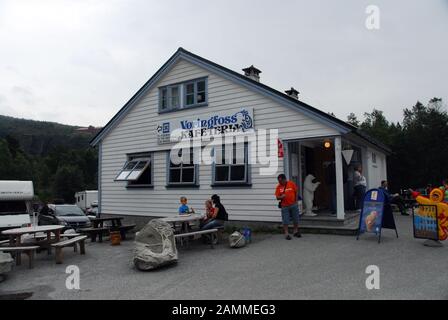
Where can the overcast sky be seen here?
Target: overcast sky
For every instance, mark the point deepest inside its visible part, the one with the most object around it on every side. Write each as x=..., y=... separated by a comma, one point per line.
x=77, y=62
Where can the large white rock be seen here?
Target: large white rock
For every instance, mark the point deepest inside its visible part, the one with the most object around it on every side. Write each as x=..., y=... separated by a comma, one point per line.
x=155, y=246
x=6, y=262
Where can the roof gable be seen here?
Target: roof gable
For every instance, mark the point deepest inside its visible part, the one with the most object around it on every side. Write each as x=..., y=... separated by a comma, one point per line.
x=278, y=96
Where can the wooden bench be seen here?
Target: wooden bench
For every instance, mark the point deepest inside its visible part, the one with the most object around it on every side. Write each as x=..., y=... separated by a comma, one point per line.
x=94, y=232
x=199, y=232
x=30, y=251
x=72, y=242
x=123, y=229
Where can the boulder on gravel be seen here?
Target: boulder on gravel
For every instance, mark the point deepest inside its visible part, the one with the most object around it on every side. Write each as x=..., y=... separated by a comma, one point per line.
x=155, y=246
x=6, y=262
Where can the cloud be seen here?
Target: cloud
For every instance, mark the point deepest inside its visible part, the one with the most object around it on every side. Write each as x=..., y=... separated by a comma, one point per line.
x=80, y=61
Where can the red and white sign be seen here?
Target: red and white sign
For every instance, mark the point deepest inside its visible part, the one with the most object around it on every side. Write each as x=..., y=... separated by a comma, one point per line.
x=281, y=151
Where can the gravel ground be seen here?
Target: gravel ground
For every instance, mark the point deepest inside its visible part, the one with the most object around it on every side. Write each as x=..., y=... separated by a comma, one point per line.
x=313, y=267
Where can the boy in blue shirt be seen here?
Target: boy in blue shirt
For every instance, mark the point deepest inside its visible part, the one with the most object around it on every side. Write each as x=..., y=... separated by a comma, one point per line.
x=184, y=209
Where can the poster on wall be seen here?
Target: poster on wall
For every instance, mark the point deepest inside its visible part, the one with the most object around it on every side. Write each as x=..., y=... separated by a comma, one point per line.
x=426, y=222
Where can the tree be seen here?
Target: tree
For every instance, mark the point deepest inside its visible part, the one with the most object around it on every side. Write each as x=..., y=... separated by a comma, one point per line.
x=67, y=181
x=352, y=119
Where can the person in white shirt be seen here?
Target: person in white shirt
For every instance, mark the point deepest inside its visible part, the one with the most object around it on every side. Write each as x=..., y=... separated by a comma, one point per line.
x=360, y=185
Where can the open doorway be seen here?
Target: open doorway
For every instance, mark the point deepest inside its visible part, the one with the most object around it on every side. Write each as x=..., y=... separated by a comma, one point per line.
x=317, y=157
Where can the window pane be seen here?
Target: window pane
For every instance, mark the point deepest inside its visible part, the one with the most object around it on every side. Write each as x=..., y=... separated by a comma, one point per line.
x=200, y=98
x=219, y=154
x=126, y=170
x=163, y=99
x=137, y=170
x=175, y=175
x=237, y=173
x=201, y=86
x=144, y=179
x=222, y=173
x=188, y=175
x=190, y=88
x=238, y=154
x=174, y=97
x=190, y=99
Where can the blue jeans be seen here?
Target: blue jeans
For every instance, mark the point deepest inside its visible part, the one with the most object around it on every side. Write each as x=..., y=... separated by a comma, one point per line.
x=290, y=213
x=215, y=223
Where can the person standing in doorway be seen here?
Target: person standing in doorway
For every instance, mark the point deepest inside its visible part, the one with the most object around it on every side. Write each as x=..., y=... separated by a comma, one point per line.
x=360, y=185
x=287, y=193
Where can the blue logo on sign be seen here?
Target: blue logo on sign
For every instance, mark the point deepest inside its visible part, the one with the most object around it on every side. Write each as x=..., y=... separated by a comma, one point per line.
x=166, y=127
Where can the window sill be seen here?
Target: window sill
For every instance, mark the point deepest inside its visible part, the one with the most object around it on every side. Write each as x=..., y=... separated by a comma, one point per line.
x=231, y=185
x=184, y=108
x=141, y=186
x=182, y=186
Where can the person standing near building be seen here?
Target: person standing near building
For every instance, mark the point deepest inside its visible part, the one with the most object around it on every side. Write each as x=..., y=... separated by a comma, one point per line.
x=287, y=193
x=360, y=185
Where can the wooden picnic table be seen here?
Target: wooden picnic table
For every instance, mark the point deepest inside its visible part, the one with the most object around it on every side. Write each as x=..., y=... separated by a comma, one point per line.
x=99, y=222
x=182, y=219
x=15, y=235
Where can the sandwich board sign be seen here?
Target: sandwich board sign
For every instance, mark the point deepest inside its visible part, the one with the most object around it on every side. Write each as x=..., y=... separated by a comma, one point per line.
x=374, y=217
x=426, y=222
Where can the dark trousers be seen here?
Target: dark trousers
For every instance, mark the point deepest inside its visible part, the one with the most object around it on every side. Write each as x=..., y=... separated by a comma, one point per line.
x=399, y=202
x=359, y=196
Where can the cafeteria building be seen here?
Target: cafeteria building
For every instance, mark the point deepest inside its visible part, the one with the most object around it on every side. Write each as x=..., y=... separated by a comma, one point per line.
x=136, y=176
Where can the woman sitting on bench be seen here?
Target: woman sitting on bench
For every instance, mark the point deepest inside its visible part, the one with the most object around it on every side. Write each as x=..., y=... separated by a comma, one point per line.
x=216, y=217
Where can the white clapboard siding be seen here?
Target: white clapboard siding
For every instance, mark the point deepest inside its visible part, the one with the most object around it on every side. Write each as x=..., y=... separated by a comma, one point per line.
x=136, y=133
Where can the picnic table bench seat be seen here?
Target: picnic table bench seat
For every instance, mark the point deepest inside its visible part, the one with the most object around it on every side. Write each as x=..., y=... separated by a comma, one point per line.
x=198, y=232
x=30, y=251
x=72, y=242
x=123, y=229
x=95, y=232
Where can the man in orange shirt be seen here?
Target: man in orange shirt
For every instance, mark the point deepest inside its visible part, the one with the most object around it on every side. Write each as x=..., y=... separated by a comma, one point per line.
x=287, y=192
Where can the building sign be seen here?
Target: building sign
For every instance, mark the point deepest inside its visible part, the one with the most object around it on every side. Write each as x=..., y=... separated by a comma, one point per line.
x=225, y=122
x=426, y=223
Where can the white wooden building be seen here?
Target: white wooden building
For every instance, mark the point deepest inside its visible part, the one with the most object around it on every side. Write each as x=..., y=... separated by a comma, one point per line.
x=189, y=87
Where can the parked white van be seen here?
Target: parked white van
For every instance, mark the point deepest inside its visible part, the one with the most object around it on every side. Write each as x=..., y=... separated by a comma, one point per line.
x=85, y=199
x=15, y=203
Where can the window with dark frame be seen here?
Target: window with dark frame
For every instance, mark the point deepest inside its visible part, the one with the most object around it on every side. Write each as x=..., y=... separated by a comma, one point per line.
x=194, y=94
x=137, y=171
x=232, y=170
x=183, y=173
x=169, y=97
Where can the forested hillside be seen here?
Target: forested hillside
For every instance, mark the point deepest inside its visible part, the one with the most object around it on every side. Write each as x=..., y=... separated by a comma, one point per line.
x=56, y=157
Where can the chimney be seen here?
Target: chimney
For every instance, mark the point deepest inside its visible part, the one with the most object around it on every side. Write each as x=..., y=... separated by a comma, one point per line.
x=293, y=93
x=252, y=72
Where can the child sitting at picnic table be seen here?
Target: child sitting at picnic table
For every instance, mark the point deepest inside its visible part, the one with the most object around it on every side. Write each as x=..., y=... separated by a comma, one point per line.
x=210, y=212
x=184, y=209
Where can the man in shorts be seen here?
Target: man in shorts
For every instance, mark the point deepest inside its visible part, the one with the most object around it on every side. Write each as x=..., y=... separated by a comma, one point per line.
x=286, y=192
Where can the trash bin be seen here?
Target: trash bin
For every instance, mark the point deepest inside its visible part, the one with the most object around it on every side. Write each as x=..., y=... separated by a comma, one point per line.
x=115, y=238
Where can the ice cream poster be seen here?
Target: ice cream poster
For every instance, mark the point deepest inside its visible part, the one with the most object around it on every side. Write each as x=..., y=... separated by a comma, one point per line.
x=371, y=218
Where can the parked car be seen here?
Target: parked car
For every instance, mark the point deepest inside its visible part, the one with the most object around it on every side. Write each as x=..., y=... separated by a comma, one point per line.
x=92, y=211
x=68, y=215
